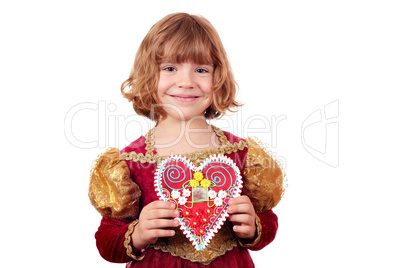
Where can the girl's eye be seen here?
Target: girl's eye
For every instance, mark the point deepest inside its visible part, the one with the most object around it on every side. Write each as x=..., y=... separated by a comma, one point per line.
x=169, y=69
x=201, y=70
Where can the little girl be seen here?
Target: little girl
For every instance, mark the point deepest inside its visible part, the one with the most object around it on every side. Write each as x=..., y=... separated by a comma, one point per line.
x=181, y=77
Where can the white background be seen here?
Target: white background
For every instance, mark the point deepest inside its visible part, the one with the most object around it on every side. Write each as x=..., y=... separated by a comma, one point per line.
x=290, y=59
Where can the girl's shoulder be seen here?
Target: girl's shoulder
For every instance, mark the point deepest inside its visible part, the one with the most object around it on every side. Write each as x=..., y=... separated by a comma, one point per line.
x=232, y=138
x=138, y=146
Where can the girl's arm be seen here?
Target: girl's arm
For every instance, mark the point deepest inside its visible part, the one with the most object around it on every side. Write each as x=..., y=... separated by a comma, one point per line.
x=111, y=190
x=116, y=197
x=110, y=239
x=264, y=186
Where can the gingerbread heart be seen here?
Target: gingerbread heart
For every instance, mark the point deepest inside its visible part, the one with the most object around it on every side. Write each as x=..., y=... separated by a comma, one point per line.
x=201, y=194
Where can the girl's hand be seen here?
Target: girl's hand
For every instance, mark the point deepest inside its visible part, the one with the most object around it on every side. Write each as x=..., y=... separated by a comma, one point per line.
x=153, y=220
x=242, y=215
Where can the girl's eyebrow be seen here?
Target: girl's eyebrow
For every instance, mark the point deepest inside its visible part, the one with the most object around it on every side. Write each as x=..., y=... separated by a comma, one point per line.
x=210, y=65
x=207, y=64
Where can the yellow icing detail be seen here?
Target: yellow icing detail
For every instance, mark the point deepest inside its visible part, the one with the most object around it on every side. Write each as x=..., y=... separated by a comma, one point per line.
x=205, y=183
x=193, y=183
x=198, y=176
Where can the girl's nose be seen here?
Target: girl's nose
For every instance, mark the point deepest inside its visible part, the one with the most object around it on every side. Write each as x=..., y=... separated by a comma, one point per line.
x=185, y=80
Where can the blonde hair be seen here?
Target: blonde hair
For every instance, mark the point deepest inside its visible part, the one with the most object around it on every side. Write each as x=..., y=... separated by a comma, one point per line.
x=180, y=37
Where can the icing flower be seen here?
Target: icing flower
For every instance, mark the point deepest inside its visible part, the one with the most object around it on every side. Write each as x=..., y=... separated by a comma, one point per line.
x=218, y=201
x=182, y=200
x=194, y=183
x=198, y=176
x=175, y=194
x=205, y=183
x=212, y=194
x=186, y=192
x=222, y=194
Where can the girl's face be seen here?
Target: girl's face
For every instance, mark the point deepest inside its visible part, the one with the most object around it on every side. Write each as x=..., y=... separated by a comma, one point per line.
x=185, y=89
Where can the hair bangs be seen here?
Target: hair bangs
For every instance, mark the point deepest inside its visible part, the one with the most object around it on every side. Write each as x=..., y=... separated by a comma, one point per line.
x=188, y=42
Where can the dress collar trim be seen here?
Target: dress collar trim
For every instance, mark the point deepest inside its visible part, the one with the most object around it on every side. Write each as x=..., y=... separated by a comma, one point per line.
x=225, y=148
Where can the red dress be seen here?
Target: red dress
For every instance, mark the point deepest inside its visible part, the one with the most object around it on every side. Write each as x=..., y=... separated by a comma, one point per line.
x=111, y=234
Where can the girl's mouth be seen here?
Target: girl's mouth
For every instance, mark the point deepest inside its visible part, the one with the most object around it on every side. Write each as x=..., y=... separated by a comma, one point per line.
x=183, y=98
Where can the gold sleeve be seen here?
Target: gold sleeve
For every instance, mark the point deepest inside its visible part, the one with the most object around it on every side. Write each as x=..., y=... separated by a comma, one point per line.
x=263, y=179
x=111, y=190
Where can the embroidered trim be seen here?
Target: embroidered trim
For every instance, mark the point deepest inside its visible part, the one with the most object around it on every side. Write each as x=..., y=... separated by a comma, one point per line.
x=149, y=157
x=127, y=243
x=257, y=239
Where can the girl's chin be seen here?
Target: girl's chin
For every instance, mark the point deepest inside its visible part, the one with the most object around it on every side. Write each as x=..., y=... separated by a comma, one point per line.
x=179, y=115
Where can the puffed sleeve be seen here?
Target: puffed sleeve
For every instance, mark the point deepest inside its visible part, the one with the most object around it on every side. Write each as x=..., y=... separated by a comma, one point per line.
x=111, y=190
x=263, y=183
x=263, y=178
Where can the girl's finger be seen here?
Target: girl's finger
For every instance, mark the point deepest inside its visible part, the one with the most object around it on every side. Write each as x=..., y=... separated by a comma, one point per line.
x=244, y=231
x=163, y=233
x=160, y=205
x=240, y=208
x=161, y=223
x=162, y=214
x=241, y=219
x=240, y=200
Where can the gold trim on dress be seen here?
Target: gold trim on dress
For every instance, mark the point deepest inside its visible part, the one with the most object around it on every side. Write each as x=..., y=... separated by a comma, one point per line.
x=127, y=242
x=196, y=157
x=257, y=239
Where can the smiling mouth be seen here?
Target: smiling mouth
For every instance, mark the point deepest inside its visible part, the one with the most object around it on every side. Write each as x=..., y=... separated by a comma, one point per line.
x=182, y=98
x=185, y=97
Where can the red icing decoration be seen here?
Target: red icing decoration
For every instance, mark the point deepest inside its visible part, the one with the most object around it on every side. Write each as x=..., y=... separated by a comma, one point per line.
x=201, y=213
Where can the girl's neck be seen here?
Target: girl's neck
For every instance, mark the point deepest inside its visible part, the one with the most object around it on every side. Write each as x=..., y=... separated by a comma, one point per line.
x=175, y=136
x=171, y=126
